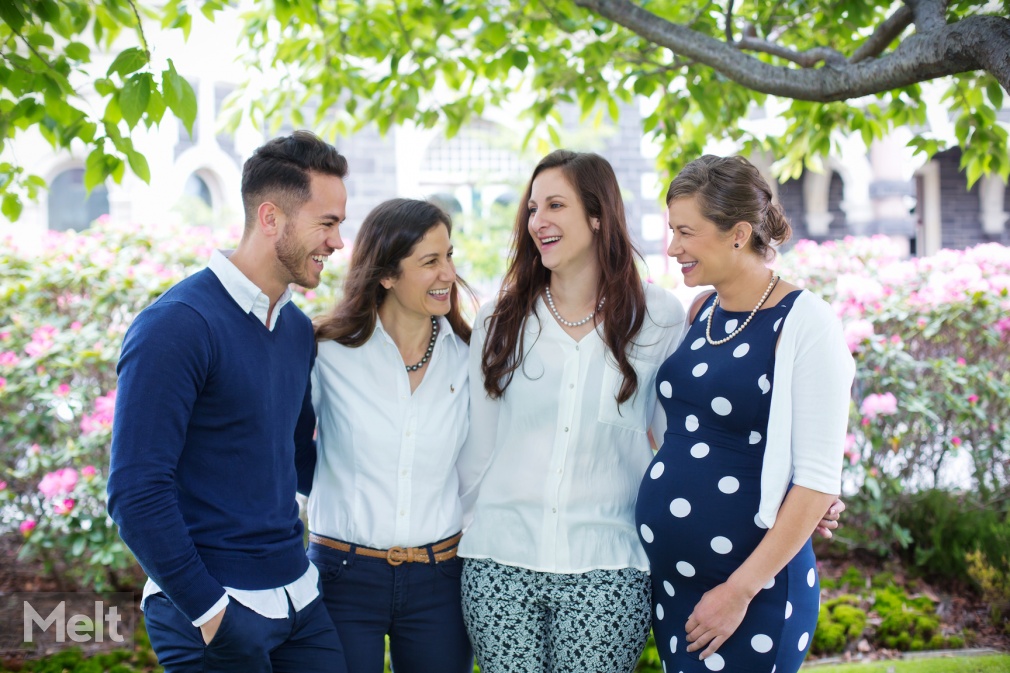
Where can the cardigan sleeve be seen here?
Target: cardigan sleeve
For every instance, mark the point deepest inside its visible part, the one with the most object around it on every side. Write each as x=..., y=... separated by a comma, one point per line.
x=810, y=405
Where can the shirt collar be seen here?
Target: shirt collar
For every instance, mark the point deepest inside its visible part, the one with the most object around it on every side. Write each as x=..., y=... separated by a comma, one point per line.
x=249, y=297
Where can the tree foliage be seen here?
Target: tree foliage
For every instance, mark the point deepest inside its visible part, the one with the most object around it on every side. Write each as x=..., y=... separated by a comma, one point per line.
x=51, y=81
x=831, y=68
x=698, y=70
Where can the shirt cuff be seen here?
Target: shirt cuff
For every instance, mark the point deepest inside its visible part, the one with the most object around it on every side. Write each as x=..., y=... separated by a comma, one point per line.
x=214, y=609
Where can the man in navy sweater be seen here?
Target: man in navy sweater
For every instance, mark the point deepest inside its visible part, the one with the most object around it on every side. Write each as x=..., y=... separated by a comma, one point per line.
x=213, y=397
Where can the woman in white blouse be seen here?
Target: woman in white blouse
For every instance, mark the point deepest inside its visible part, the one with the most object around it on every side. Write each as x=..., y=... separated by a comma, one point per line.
x=390, y=392
x=563, y=366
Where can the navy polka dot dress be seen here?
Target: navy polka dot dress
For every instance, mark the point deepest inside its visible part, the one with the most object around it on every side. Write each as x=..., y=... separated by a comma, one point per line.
x=697, y=507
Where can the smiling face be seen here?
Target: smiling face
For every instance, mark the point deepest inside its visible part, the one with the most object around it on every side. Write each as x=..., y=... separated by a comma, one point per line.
x=311, y=234
x=558, y=224
x=705, y=253
x=426, y=277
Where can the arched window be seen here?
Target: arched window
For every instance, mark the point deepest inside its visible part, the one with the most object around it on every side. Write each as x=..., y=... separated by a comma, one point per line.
x=197, y=187
x=70, y=207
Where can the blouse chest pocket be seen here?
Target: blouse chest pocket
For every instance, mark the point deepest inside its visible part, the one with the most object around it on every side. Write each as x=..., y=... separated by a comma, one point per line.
x=633, y=414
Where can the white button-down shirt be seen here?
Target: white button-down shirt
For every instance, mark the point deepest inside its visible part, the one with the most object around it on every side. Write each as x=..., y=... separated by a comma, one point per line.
x=272, y=603
x=386, y=469
x=554, y=465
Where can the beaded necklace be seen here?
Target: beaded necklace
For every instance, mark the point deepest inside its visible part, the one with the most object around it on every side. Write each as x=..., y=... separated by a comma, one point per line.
x=708, y=325
x=431, y=347
x=557, y=316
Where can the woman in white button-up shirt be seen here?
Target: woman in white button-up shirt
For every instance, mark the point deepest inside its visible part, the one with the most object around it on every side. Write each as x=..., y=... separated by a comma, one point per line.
x=563, y=366
x=390, y=392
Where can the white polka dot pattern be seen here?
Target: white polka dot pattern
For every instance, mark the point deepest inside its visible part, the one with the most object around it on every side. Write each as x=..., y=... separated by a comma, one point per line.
x=804, y=639
x=699, y=369
x=763, y=384
x=759, y=523
x=668, y=588
x=673, y=644
x=715, y=662
x=775, y=327
x=659, y=611
x=761, y=643
x=731, y=325
x=699, y=450
x=769, y=584
x=647, y=533
x=680, y=508
x=722, y=406
x=691, y=423
x=811, y=577
x=704, y=314
x=665, y=389
x=729, y=485
x=789, y=609
x=685, y=568
x=721, y=545
x=657, y=470
x=755, y=437
x=697, y=343
x=741, y=350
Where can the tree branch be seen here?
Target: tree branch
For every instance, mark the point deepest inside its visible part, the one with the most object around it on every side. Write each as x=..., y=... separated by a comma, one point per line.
x=140, y=28
x=729, y=22
x=974, y=43
x=886, y=33
x=807, y=59
x=928, y=15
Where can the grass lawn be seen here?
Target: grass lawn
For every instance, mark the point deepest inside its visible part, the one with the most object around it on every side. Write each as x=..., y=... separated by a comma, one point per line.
x=999, y=663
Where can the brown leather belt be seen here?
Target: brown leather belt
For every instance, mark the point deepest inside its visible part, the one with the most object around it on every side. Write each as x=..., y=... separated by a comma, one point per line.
x=441, y=551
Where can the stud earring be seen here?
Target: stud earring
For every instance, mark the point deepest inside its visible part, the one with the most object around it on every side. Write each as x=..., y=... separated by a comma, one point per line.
x=736, y=245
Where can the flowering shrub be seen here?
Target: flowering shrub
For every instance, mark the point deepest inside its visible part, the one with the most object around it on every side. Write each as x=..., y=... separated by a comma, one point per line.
x=67, y=307
x=932, y=394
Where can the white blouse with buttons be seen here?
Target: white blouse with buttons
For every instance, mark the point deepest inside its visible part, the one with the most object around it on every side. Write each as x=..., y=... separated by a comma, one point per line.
x=386, y=469
x=550, y=472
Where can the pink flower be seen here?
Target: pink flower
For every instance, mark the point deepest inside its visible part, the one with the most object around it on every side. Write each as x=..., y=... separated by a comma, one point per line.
x=956, y=441
x=101, y=420
x=1003, y=326
x=76, y=325
x=5, y=336
x=27, y=526
x=42, y=341
x=961, y=362
x=972, y=399
x=3, y=382
x=3, y=485
x=9, y=359
x=64, y=507
x=878, y=405
x=856, y=332
x=60, y=481
x=62, y=390
x=88, y=471
x=921, y=322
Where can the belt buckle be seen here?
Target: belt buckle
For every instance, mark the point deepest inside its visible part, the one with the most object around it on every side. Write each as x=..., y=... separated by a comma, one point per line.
x=396, y=556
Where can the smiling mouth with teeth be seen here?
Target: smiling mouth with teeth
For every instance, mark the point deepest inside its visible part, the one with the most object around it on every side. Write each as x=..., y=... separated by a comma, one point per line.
x=321, y=259
x=439, y=292
x=551, y=239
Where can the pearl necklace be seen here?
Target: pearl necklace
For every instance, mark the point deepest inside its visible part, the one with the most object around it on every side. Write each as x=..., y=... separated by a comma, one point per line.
x=550, y=303
x=431, y=347
x=708, y=325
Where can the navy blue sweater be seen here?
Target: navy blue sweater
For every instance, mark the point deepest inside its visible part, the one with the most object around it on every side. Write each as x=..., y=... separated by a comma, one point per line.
x=209, y=408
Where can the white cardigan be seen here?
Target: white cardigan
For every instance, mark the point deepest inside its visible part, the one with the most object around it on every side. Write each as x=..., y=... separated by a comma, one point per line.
x=810, y=405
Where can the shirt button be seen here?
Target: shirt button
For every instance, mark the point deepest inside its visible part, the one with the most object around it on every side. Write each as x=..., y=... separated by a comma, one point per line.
x=571, y=385
x=404, y=473
x=554, y=509
x=566, y=429
x=403, y=513
x=576, y=347
x=560, y=471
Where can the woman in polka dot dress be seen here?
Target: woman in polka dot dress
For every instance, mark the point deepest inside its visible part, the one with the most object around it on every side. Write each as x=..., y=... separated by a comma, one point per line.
x=757, y=399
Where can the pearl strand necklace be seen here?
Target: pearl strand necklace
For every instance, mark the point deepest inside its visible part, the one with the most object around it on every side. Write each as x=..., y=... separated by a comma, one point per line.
x=708, y=325
x=550, y=303
x=431, y=347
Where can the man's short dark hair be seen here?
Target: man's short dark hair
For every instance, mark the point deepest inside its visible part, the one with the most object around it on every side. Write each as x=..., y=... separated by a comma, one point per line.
x=279, y=171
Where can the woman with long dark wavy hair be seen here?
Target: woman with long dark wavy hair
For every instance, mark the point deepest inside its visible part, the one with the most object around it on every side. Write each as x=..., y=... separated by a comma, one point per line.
x=390, y=392
x=563, y=365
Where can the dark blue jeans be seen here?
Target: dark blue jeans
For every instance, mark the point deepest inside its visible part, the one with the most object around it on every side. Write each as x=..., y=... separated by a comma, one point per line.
x=246, y=642
x=416, y=604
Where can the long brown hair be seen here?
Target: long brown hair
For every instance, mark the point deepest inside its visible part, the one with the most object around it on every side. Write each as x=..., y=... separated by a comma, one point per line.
x=622, y=314
x=387, y=236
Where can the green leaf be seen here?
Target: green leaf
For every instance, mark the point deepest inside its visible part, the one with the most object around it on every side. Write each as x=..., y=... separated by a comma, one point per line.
x=995, y=93
x=138, y=164
x=134, y=97
x=94, y=169
x=11, y=14
x=129, y=60
x=78, y=52
x=179, y=96
x=11, y=207
x=155, y=107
